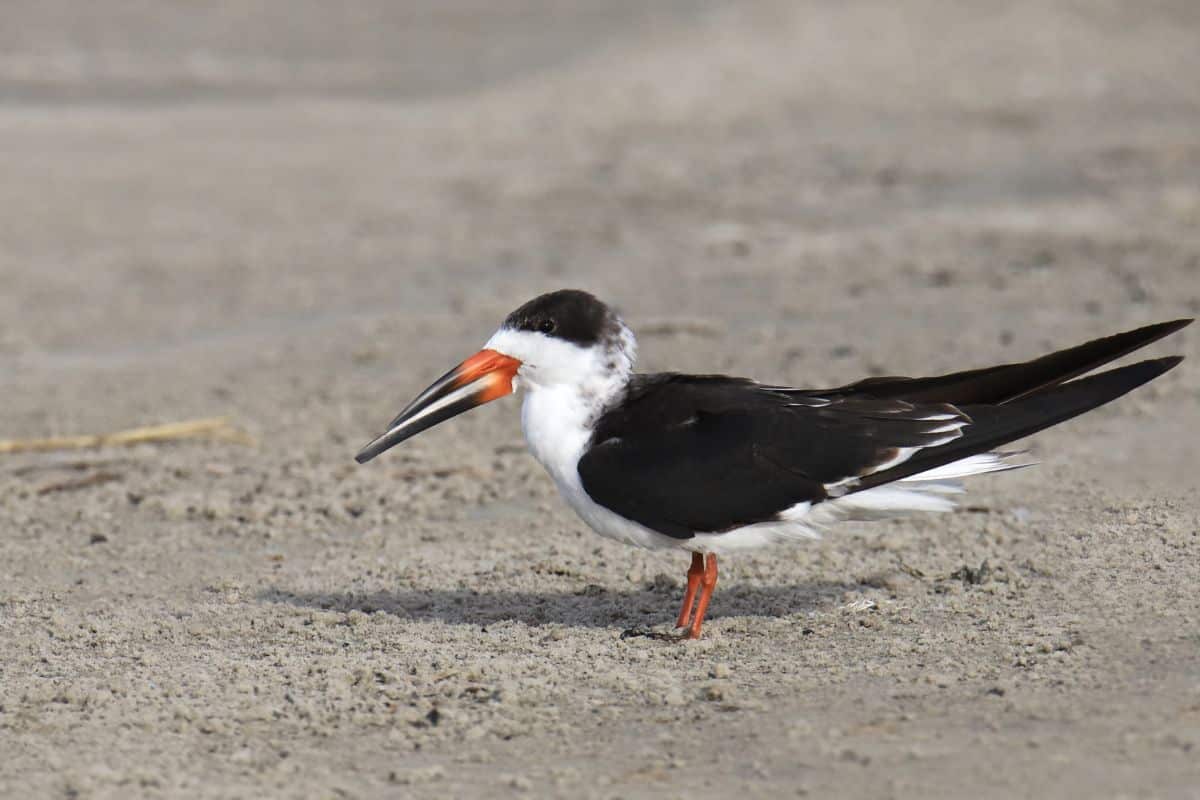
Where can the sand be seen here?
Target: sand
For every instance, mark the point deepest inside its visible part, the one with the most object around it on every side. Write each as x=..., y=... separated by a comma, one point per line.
x=298, y=217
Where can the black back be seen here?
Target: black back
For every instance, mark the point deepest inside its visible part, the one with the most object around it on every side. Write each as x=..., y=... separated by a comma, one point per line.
x=684, y=454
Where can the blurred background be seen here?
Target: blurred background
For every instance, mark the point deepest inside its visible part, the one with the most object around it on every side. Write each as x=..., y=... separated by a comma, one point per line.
x=249, y=206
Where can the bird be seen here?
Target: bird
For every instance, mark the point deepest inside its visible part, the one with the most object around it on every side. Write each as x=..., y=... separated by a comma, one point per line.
x=713, y=465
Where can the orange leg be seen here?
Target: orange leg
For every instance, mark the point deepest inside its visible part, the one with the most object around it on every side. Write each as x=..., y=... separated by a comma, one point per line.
x=695, y=573
x=707, y=585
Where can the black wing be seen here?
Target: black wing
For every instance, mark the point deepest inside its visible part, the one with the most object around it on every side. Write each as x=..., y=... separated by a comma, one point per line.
x=1008, y=382
x=685, y=454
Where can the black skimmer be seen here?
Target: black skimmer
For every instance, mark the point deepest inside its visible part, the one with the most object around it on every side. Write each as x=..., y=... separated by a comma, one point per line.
x=713, y=464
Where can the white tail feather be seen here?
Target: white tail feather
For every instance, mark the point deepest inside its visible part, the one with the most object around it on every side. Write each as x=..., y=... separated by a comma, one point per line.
x=925, y=491
x=978, y=464
x=931, y=490
x=887, y=501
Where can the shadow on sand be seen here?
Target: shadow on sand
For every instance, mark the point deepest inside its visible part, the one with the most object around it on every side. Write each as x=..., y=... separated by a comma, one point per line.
x=592, y=606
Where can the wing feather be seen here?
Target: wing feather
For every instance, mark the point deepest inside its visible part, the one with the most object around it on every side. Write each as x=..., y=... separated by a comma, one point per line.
x=684, y=454
x=687, y=454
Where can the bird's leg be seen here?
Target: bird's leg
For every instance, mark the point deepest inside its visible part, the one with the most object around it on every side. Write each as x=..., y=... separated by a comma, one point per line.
x=707, y=584
x=695, y=573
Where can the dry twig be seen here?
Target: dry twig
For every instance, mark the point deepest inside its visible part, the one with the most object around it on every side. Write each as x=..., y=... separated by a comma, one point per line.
x=213, y=428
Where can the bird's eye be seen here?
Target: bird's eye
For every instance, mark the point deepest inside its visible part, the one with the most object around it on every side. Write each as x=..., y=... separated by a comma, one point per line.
x=546, y=326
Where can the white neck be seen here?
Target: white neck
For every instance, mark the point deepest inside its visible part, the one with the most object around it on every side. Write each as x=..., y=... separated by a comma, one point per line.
x=567, y=388
x=558, y=417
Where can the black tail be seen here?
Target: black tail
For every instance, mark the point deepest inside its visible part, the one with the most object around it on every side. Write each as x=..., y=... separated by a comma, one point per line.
x=995, y=425
x=1010, y=382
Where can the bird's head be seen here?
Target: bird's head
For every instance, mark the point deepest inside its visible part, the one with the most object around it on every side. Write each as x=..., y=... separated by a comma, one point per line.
x=564, y=339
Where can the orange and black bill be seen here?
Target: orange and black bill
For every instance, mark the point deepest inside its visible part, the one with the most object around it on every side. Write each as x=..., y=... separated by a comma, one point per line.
x=483, y=377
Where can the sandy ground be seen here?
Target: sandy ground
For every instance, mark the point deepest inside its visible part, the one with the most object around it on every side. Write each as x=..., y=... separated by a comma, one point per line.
x=298, y=217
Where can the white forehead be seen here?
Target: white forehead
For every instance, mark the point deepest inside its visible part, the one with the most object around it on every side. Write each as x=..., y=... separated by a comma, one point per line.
x=537, y=349
x=548, y=359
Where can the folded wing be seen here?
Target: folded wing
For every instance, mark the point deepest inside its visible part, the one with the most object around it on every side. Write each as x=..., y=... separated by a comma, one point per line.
x=689, y=454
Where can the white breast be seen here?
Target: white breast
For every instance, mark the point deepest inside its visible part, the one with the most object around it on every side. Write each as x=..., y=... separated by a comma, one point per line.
x=556, y=424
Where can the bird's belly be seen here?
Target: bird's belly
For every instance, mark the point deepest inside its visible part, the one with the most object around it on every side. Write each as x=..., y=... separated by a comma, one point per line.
x=610, y=524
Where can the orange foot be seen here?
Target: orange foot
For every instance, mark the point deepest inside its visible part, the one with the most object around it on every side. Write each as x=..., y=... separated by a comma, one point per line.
x=702, y=576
